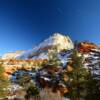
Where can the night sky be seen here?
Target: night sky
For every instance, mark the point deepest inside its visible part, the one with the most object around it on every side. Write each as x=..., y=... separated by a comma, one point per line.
x=25, y=23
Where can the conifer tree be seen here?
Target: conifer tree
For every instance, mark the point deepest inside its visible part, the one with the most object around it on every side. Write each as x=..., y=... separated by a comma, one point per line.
x=78, y=77
x=23, y=79
x=53, y=58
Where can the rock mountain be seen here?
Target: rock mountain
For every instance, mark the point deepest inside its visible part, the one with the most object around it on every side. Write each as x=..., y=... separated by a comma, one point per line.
x=56, y=41
x=64, y=46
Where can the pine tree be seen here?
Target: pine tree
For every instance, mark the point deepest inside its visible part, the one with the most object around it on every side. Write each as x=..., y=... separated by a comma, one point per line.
x=32, y=89
x=78, y=77
x=23, y=80
x=53, y=58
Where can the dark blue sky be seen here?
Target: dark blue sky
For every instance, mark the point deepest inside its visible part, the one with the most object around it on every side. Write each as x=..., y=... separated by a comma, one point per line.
x=25, y=23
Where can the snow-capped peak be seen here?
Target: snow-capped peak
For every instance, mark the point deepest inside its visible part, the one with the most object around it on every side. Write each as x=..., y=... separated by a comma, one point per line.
x=57, y=40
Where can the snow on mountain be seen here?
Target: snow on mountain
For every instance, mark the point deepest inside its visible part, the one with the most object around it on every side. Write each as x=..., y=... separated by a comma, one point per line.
x=91, y=55
x=12, y=55
x=57, y=40
x=92, y=61
x=64, y=47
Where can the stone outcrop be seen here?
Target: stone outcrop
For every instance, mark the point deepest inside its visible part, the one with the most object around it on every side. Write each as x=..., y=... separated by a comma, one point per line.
x=85, y=47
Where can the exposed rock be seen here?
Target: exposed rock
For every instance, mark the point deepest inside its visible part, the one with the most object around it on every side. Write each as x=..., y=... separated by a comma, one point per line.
x=13, y=65
x=12, y=55
x=86, y=47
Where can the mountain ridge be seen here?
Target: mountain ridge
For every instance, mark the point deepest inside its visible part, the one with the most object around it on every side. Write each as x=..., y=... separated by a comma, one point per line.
x=88, y=50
